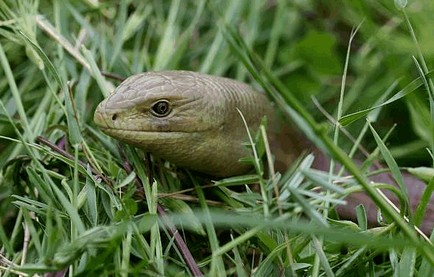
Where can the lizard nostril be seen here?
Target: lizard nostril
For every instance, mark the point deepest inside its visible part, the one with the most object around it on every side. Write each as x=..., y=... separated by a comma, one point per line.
x=114, y=116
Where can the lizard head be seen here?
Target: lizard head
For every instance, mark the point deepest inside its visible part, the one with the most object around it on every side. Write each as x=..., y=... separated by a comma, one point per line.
x=187, y=118
x=157, y=102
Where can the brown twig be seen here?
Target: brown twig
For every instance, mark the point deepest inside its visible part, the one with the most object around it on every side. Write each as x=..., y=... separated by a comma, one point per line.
x=26, y=242
x=113, y=76
x=180, y=242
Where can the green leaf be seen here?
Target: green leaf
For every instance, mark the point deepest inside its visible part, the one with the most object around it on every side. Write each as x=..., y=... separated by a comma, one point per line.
x=407, y=262
x=423, y=202
x=361, y=217
x=393, y=166
x=424, y=173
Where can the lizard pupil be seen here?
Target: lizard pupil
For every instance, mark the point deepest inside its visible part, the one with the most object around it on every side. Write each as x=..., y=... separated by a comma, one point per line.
x=161, y=108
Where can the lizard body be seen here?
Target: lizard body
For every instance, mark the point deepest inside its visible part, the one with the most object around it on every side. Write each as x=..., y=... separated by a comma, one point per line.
x=191, y=120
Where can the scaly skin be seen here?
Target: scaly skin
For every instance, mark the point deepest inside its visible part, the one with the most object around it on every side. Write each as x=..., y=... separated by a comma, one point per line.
x=203, y=131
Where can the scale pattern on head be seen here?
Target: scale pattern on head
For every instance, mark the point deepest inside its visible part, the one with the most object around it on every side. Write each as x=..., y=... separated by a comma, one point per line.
x=188, y=118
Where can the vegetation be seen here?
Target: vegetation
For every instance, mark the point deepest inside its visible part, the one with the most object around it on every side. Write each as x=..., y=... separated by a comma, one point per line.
x=85, y=214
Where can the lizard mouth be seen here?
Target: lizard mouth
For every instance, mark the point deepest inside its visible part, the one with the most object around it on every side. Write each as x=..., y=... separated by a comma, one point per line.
x=111, y=124
x=112, y=131
x=150, y=141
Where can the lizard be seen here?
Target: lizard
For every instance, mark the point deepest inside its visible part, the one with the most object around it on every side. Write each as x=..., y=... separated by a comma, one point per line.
x=192, y=119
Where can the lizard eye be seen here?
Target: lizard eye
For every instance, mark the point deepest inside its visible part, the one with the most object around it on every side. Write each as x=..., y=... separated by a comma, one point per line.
x=161, y=108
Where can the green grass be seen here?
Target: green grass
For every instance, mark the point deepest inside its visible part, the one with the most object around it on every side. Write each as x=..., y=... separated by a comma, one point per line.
x=57, y=214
